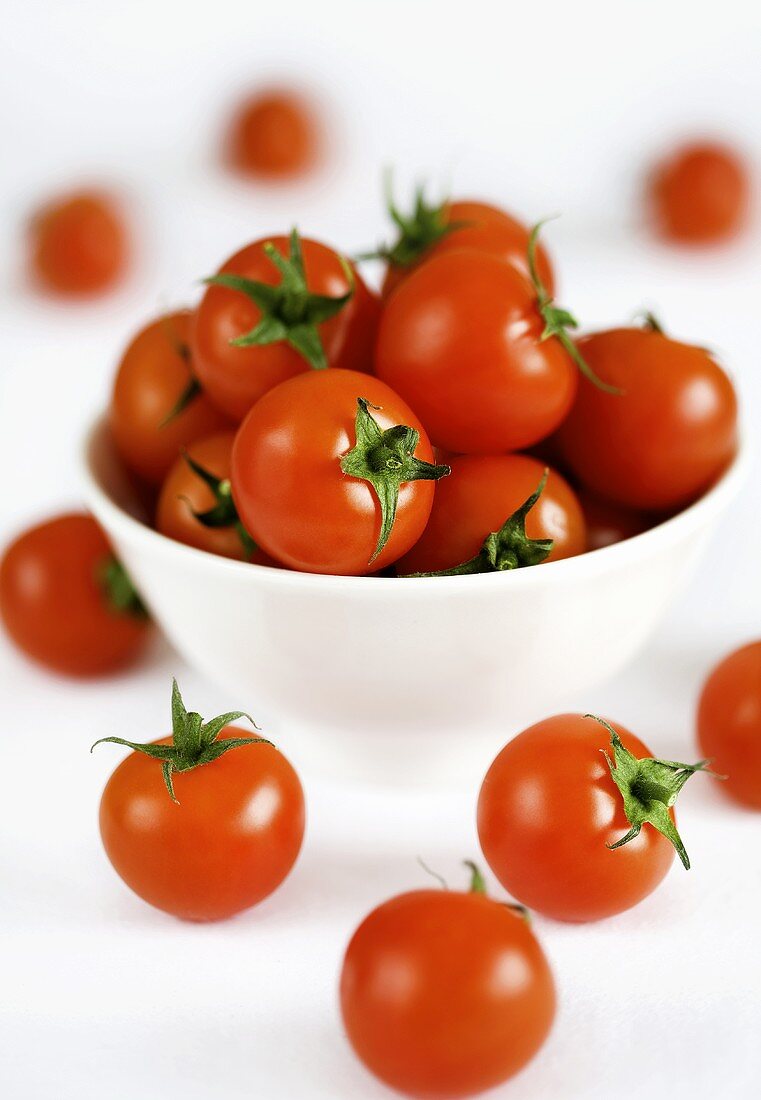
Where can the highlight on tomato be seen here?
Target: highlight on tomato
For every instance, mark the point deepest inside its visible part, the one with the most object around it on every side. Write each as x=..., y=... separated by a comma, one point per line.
x=195, y=505
x=700, y=193
x=497, y=512
x=157, y=405
x=333, y=473
x=274, y=135
x=433, y=229
x=666, y=436
x=67, y=602
x=79, y=244
x=446, y=993
x=205, y=823
x=479, y=352
x=276, y=309
x=729, y=723
x=576, y=818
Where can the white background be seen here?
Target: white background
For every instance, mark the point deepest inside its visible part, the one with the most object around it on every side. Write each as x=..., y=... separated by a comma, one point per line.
x=545, y=107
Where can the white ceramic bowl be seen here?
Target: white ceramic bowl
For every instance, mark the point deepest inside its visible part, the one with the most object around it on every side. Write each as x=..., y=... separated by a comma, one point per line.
x=420, y=679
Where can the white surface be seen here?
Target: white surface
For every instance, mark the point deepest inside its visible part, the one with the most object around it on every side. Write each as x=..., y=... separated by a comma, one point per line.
x=546, y=107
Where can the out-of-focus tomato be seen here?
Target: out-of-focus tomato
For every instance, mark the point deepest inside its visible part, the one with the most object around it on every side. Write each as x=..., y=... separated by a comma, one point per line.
x=333, y=473
x=157, y=406
x=79, y=244
x=729, y=723
x=274, y=134
x=700, y=194
x=278, y=308
x=476, y=499
x=668, y=434
x=608, y=523
x=66, y=601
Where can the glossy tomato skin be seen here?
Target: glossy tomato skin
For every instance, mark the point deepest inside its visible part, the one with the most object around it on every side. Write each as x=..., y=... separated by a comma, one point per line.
x=700, y=194
x=460, y=341
x=445, y=994
x=547, y=809
x=79, y=244
x=154, y=373
x=487, y=229
x=274, y=135
x=53, y=604
x=477, y=498
x=666, y=437
x=729, y=724
x=290, y=491
x=609, y=523
x=184, y=493
x=230, y=842
x=235, y=378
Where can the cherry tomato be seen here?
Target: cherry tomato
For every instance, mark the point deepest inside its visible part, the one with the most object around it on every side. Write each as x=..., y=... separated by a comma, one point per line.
x=66, y=602
x=235, y=377
x=549, y=810
x=484, y=228
x=445, y=994
x=608, y=523
x=700, y=194
x=157, y=406
x=217, y=835
x=292, y=476
x=666, y=436
x=274, y=134
x=729, y=723
x=199, y=511
x=79, y=244
x=460, y=340
x=476, y=499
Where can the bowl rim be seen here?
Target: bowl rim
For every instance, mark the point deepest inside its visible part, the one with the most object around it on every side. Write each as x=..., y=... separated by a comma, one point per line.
x=672, y=529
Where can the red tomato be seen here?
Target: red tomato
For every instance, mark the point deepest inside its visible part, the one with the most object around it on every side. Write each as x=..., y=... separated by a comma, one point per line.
x=157, y=407
x=609, y=523
x=445, y=994
x=227, y=841
x=729, y=723
x=700, y=194
x=66, y=602
x=235, y=377
x=666, y=436
x=79, y=244
x=274, y=134
x=484, y=228
x=549, y=809
x=198, y=510
x=293, y=493
x=477, y=498
x=460, y=340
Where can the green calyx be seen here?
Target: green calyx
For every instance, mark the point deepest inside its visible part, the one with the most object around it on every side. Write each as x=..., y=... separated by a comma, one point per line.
x=118, y=589
x=557, y=321
x=386, y=459
x=193, y=387
x=649, y=788
x=418, y=231
x=290, y=312
x=194, y=742
x=508, y=548
x=223, y=512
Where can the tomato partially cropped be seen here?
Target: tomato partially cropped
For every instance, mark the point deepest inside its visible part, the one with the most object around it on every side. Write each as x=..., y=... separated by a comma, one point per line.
x=65, y=601
x=460, y=340
x=79, y=244
x=547, y=810
x=609, y=523
x=236, y=377
x=289, y=487
x=477, y=498
x=185, y=496
x=445, y=994
x=157, y=407
x=729, y=723
x=668, y=434
x=274, y=135
x=700, y=194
